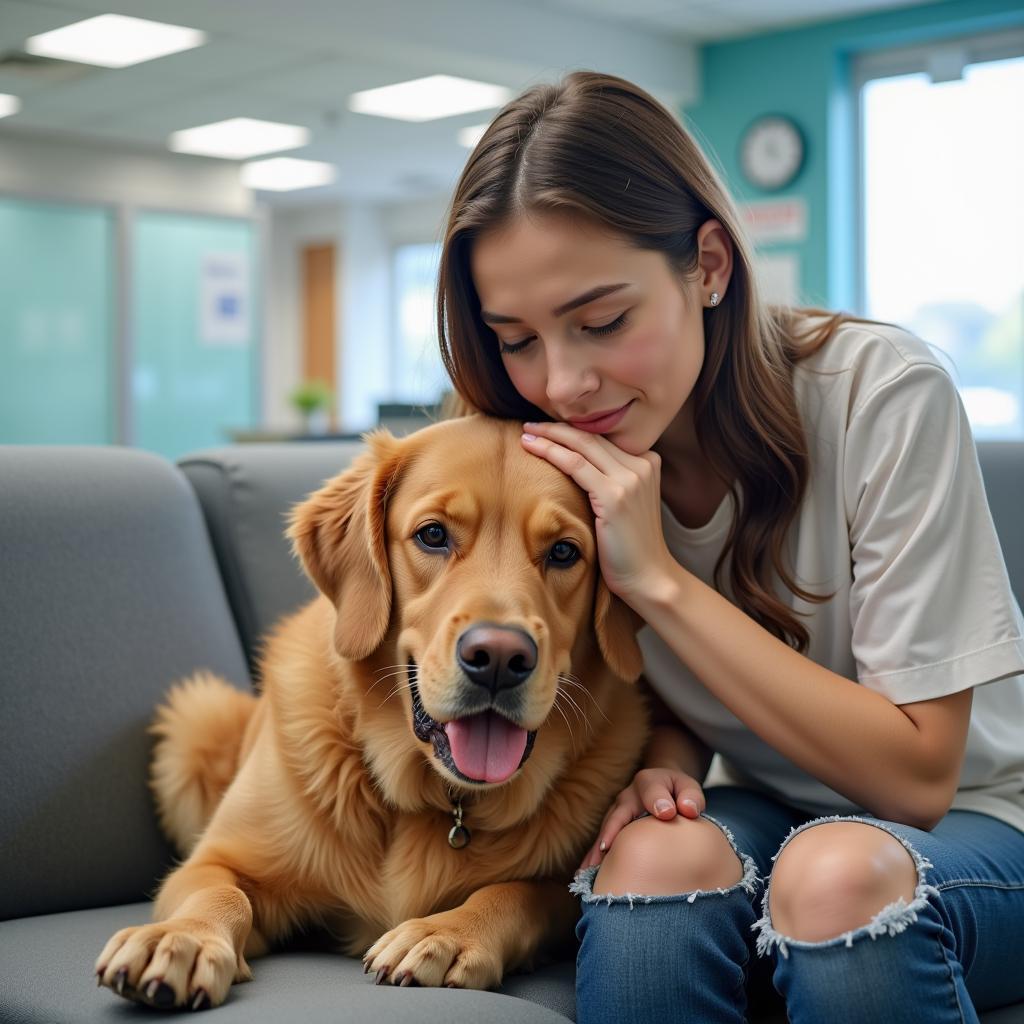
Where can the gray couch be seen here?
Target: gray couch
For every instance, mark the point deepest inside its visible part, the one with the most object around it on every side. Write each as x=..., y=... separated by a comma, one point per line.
x=118, y=573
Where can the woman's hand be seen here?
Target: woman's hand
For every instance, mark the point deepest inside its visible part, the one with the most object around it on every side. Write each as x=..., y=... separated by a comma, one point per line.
x=625, y=495
x=663, y=792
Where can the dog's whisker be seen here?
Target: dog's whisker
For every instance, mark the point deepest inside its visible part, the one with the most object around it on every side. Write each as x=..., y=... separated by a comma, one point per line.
x=392, y=677
x=388, y=671
x=572, y=738
x=395, y=690
x=572, y=732
x=576, y=684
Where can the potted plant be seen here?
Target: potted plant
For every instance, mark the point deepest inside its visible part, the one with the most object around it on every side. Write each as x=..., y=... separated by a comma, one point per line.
x=313, y=399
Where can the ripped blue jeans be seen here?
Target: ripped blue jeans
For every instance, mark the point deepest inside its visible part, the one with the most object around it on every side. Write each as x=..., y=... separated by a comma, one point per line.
x=703, y=957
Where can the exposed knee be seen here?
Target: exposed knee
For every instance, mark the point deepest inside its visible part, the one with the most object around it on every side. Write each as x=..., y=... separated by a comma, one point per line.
x=659, y=858
x=835, y=877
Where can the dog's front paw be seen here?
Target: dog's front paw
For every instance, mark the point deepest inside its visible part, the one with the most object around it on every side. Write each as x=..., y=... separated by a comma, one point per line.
x=183, y=963
x=443, y=949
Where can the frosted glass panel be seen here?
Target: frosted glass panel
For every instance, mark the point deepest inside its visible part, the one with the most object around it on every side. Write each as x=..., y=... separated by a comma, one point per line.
x=56, y=324
x=194, y=319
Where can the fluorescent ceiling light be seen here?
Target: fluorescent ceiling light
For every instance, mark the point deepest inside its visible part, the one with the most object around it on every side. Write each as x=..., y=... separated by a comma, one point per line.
x=426, y=99
x=9, y=104
x=285, y=173
x=470, y=136
x=238, y=138
x=114, y=41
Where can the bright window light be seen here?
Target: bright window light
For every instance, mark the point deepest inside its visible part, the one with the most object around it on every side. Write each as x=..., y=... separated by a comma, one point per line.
x=470, y=136
x=238, y=138
x=427, y=99
x=944, y=227
x=9, y=104
x=418, y=375
x=284, y=173
x=114, y=41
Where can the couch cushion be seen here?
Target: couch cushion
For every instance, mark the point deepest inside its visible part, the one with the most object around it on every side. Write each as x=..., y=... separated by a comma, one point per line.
x=110, y=591
x=246, y=492
x=47, y=979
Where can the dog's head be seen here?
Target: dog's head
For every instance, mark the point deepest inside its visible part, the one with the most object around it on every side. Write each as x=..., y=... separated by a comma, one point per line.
x=474, y=564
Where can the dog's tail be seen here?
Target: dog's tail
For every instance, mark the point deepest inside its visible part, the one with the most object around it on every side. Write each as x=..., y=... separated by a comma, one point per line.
x=199, y=732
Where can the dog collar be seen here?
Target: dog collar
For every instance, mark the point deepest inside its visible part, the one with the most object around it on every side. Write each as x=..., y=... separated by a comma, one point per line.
x=458, y=836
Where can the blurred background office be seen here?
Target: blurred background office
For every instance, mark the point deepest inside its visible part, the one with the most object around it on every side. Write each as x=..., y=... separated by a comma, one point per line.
x=221, y=221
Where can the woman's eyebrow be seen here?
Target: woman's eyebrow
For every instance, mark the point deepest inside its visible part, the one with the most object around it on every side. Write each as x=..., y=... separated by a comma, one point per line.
x=580, y=300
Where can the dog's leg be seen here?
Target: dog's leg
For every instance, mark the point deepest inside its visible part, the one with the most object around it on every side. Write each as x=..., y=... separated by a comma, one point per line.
x=500, y=927
x=193, y=952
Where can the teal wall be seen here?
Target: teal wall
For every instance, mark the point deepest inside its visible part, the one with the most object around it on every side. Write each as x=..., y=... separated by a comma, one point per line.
x=806, y=74
x=56, y=324
x=193, y=374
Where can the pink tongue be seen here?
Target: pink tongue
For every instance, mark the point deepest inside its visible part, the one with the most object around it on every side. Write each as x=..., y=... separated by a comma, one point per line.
x=486, y=747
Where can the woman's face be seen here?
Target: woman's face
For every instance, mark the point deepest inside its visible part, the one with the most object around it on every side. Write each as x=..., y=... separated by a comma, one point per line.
x=622, y=363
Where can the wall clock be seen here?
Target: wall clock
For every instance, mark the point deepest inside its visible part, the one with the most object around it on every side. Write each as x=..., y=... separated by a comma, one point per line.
x=772, y=151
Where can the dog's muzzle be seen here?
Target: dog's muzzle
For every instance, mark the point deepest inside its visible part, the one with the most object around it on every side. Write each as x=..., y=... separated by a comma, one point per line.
x=482, y=747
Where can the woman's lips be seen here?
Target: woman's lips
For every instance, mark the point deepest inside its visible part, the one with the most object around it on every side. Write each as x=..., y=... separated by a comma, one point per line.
x=604, y=423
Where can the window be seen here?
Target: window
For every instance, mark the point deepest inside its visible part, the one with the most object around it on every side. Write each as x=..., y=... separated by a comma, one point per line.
x=942, y=137
x=418, y=375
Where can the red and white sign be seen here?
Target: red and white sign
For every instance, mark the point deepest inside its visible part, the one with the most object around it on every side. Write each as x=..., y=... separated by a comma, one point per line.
x=776, y=220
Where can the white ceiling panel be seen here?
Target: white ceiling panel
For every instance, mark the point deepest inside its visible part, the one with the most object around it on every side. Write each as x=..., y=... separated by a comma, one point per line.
x=299, y=61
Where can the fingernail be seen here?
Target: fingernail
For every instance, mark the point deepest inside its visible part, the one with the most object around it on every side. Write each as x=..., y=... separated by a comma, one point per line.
x=691, y=803
x=529, y=437
x=603, y=847
x=661, y=806
x=526, y=426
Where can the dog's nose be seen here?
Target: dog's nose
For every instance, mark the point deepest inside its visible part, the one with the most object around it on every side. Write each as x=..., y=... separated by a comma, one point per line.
x=498, y=657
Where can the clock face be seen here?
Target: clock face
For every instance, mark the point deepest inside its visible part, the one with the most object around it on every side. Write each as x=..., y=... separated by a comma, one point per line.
x=772, y=152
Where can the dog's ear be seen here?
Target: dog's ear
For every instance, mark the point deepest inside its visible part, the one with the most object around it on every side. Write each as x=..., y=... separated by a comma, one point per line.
x=338, y=532
x=615, y=624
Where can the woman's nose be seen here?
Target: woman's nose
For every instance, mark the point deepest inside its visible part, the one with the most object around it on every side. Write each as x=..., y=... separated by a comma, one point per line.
x=570, y=377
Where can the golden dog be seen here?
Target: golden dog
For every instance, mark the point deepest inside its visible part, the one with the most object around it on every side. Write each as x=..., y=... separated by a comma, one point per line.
x=438, y=736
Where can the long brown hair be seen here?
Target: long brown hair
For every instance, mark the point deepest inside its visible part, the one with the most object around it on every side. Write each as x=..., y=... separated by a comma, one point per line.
x=599, y=147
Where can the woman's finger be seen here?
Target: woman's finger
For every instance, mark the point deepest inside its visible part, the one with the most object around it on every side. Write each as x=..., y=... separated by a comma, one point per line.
x=595, y=448
x=574, y=464
x=615, y=821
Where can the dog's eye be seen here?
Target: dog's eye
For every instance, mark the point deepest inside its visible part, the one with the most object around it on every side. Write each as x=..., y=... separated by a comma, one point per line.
x=563, y=553
x=433, y=535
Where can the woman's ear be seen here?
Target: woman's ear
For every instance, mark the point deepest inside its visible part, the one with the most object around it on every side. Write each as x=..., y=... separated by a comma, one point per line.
x=715, y=256
x=338, y=533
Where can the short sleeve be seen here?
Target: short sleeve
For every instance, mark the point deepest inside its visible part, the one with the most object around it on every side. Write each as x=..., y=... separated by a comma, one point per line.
x=931, y=608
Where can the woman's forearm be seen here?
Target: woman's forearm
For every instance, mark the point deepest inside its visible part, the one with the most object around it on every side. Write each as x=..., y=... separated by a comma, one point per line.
x=847, y=736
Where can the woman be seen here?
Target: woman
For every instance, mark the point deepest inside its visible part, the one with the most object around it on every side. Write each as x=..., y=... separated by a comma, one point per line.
x=791, y=501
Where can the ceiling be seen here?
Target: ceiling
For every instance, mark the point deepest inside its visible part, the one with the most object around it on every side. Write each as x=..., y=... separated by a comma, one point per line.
x=298, y=61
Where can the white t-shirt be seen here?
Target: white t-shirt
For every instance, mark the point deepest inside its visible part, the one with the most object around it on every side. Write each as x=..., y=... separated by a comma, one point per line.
x=895, y=521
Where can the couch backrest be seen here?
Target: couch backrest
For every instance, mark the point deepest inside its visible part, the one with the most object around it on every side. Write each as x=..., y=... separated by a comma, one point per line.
x=1002, y=465
x=247, y=492
x=108, y=592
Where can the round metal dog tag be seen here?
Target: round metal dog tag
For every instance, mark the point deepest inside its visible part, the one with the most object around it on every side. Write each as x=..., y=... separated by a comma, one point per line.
x=458, y=837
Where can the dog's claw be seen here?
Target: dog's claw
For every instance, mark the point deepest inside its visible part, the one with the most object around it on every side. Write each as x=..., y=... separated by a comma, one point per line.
x=201, y=1001
x=381, y=975
x=119, y=980
x=407, y=980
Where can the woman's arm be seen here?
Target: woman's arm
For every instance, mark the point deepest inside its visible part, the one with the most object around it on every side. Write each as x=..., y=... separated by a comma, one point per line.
x=899, y=762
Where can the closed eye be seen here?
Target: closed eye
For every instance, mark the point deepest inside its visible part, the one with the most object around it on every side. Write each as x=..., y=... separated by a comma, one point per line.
x=512, y=347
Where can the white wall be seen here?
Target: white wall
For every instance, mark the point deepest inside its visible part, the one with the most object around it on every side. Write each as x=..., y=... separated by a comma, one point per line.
x=50, y=169
x=365, y=236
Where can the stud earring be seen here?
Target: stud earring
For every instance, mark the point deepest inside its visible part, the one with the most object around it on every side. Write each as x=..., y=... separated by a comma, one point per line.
x=715, y=298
